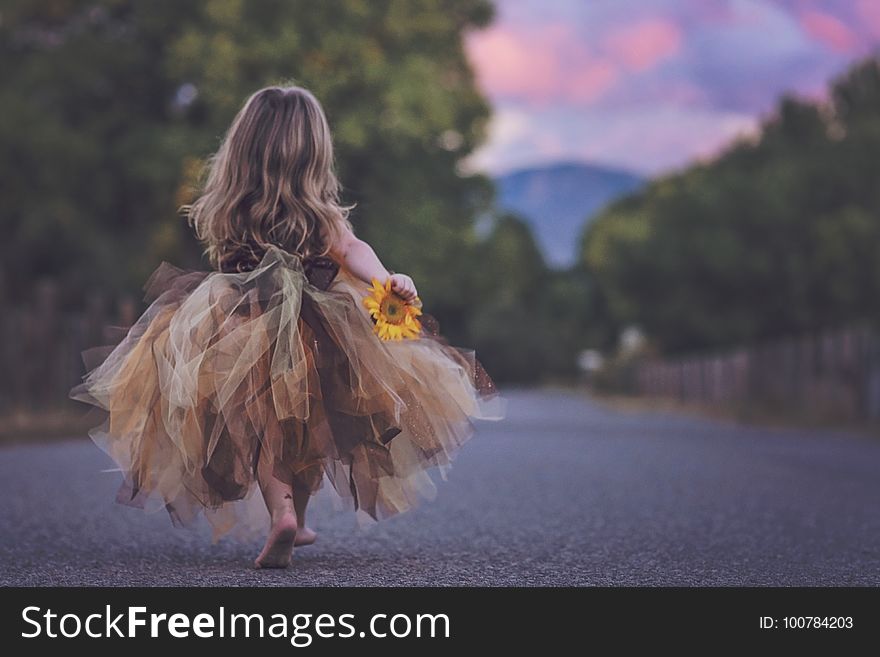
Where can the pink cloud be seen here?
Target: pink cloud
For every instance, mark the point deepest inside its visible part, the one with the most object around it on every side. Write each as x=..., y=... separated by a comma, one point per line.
x=507, y=65
x=869, y=13
x=829, y=30
x=590, y=82
x=539, y=64
x=643, y=45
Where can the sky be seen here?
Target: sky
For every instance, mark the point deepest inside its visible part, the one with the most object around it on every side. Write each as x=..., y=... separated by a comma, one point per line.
x=650, y=85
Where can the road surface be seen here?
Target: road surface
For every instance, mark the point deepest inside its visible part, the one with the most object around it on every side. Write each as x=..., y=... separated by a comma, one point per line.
x=563, y=492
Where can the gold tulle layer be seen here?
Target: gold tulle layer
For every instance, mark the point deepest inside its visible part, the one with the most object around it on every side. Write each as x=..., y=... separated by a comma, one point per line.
x=277, y=363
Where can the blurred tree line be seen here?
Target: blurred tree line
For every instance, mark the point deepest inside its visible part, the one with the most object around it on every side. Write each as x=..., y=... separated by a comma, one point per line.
x=780, y=235
x=110, y=108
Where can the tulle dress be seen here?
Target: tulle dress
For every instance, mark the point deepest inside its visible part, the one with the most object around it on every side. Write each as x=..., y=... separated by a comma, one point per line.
x=279, y=361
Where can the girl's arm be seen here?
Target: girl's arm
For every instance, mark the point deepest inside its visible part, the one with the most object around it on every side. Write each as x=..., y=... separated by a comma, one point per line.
x=361, y=260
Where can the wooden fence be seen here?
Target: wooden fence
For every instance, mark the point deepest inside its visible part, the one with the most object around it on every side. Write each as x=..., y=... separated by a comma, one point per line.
x=41, y=347
x=833, y=375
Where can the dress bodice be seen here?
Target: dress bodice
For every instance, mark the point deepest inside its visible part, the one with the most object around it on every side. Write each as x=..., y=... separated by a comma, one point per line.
x=320, y=270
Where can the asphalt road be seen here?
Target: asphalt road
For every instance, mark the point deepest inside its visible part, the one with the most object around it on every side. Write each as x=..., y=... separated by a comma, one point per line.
x=563, y=492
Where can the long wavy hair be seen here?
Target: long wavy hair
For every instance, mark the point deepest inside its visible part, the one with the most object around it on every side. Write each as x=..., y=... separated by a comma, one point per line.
x=271, y=182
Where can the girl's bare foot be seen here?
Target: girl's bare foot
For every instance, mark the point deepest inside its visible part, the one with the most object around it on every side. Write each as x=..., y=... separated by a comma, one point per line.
x=279, y=545
x=305, y=536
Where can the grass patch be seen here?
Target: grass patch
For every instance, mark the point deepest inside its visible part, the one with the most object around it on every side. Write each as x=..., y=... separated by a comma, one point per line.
x=21, y=426
x=764, y=415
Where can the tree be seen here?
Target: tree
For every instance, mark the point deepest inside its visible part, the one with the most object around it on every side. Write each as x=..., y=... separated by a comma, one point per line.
x=91, y=147
x=775, y=237
x=528, y=322
x=110, y=107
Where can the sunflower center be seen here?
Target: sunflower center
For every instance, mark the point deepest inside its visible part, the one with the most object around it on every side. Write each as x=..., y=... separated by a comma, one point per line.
x=393, y=310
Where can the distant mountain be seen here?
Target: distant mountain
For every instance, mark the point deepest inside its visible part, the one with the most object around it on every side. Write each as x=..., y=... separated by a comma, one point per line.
x=559, y=200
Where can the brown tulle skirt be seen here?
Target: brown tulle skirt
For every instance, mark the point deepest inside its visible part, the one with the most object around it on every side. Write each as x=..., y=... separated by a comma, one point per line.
x=278, y=363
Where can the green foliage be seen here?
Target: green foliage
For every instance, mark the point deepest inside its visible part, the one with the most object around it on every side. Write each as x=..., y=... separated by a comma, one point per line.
x=777, y=236
x=91, y=152
x=102, y=138
x=527, y=321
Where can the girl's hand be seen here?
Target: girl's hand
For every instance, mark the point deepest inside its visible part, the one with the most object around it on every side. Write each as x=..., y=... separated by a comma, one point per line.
x=403, y=285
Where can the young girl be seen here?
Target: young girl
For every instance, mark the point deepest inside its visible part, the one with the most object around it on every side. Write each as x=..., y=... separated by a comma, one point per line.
x=267, y=371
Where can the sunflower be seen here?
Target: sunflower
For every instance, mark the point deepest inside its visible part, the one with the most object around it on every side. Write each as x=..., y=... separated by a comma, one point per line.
x=393, y=317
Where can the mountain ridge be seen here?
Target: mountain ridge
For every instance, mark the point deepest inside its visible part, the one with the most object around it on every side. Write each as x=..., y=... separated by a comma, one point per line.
x=559, y=199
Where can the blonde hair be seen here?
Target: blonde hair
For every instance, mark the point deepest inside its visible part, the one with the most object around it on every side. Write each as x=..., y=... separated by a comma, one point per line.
x=271, y=181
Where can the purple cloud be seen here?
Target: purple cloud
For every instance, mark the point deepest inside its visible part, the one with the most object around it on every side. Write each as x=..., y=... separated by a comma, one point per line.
x=705, y=69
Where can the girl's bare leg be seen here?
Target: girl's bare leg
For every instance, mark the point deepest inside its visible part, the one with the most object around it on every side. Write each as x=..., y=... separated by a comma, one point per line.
x=304, y=535
x=279, y=501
